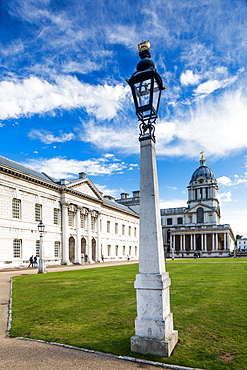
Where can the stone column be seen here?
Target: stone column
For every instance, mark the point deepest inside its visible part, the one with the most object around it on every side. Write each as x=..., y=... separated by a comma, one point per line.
x=205, y=242
x=202, y=242
x=181, y=243
x=194, y=241
x=65, y=260
x=216, y=242
x=184, y=243
x=224, y=241
x=191, y=242
x=89, y=236
x=78, y=236
x=154, y=332
x=228, y=241
x=173, y=246
x=98, y=246
x=213, y=244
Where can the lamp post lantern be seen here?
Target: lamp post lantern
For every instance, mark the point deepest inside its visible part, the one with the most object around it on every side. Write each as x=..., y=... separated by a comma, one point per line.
x=42, y=268
x=154, y=333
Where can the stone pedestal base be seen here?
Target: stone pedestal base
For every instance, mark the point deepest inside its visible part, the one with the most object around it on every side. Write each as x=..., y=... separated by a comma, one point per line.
x=156, y=347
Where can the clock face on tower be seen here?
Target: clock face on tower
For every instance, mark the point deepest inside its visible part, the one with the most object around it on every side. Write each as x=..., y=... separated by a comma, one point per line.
x=201, y=181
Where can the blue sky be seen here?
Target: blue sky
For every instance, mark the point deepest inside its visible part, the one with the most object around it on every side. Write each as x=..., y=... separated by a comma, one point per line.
x=65, y=107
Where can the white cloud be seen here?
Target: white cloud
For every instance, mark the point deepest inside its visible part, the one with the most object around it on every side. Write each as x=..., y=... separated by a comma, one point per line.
x=212, y=85
x=189, y=78
x=174, y=203
x=236, y=218
x=224, y=180
x=214, y=125
x=171, y=187
x=61, y=167
x=117, y=135
x=33, y=95
x=225, y=197
x=48, y=138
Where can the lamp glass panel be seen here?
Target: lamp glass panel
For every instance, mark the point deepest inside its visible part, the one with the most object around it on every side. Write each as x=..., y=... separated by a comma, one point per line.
x=142, y=92
x=41, y=227
x=156, y=94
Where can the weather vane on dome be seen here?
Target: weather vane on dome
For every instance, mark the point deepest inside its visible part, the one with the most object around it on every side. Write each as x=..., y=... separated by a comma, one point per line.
x=202, y=153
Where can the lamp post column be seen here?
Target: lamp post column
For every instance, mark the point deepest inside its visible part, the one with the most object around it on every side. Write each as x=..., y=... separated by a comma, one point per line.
x=42, y=267
x=154, y=332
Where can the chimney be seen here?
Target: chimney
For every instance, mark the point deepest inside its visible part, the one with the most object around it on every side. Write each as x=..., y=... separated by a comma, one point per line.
x=64, y=182
x=82, y=175
x=124, y=196
x=109, y=197
x=136, y=194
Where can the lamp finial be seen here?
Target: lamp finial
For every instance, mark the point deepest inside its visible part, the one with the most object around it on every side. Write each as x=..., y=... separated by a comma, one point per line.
x=145, y=45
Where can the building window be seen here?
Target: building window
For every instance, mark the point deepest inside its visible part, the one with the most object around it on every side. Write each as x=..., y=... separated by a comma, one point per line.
x=93, y=223
x=135, y=251
x=129, y=230
x=17, y=248
x=116, y=250
x=109, y=251
x=130, y=250
x=116, y=228
x=123, y=229
x=83, y=221
x=200, y=215
x=37, y=247
x=38, y=212
x=16, y=208
x=135, y=232
x=71, y=218
x=57, y=249
x=56, y=216
x=108, y=226
x=169, y=221
x=123, y=250
x=180, y=220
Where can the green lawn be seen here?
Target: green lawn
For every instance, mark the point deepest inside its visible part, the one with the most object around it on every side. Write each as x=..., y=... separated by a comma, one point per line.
x=96, y=308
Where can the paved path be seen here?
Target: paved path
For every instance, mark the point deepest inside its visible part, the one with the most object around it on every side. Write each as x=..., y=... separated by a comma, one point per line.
x=27, y=355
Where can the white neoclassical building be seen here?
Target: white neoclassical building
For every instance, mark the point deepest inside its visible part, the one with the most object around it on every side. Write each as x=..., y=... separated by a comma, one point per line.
x=197, y=228
x=79, y=221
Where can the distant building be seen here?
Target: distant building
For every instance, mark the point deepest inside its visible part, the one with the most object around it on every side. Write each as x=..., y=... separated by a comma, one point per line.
x=242, y=244
x=78, y=220
x=197, y=228
x=194, y=229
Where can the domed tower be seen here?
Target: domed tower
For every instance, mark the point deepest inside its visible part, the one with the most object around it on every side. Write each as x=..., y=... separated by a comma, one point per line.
x=203, y=196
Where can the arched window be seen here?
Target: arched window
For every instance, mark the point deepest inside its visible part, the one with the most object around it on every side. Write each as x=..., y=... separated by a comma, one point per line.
x=200, y=215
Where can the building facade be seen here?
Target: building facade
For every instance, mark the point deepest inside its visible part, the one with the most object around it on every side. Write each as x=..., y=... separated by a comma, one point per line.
x=196, y=229
x=79, y=222
x=242, y=244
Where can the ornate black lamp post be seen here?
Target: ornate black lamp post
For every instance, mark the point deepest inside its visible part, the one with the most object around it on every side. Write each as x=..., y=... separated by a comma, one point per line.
x=154, y=332
x=146, y=86
x=42, y=268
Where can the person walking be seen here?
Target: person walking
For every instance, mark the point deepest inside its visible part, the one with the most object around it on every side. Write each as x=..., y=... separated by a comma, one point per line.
x=31, y=261
x=35, y=261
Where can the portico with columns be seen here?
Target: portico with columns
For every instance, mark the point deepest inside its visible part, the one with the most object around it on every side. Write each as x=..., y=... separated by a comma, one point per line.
x=79, y=221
